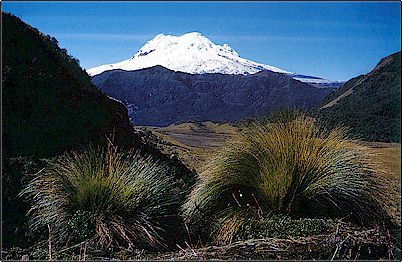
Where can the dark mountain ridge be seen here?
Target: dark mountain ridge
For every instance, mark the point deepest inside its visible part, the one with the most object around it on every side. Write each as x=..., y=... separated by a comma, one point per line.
x=369, y=104
x=49, y=102
x=158, y=96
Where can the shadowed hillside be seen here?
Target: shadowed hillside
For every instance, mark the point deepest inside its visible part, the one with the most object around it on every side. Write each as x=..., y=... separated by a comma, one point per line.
x=157, y=96
x=369, y=104
x=49, y=103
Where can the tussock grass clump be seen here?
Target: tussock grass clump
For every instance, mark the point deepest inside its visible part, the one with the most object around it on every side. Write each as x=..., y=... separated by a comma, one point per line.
x=107, y=197
x=292, y=166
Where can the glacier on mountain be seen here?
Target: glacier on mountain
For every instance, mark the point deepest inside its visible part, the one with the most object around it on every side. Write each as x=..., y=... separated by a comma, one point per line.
x=195, y=54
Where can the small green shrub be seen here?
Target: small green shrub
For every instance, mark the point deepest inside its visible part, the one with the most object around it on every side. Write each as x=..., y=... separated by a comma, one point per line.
x=107, y=197
x=280, y=226
x=292, y=166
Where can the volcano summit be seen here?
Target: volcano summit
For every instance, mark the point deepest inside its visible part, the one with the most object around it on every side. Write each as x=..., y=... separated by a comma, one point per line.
x=193, y=53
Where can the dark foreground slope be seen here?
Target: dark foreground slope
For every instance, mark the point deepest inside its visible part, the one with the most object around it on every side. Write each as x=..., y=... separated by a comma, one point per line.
x=49, y=103
x=158, y=96
x=369, y=104
x=50, y=106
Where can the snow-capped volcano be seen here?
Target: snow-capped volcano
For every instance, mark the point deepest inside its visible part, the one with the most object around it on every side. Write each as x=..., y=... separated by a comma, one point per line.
x=191, y=53
x=195, y=54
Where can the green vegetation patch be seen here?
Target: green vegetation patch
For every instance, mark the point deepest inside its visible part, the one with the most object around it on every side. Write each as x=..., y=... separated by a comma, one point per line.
x=279, y=226
x=106, y=197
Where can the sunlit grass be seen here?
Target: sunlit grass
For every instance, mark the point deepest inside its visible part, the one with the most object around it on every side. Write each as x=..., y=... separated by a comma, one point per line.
x=107, y=197
x=292, y=166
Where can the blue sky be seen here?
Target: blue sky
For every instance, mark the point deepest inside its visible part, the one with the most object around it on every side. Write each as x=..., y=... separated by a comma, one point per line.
x=334, y=40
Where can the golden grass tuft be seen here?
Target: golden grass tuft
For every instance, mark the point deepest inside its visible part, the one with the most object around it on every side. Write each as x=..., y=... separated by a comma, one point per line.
x=107, y=197
x=292, y=166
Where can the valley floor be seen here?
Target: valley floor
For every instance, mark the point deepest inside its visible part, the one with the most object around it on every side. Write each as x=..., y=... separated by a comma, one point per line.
x=193, y=143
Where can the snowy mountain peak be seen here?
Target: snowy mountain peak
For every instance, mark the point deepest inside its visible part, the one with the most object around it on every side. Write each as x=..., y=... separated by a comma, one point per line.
x=191, y=53
x=193, y=42
x=229, y=49
x=195, y=54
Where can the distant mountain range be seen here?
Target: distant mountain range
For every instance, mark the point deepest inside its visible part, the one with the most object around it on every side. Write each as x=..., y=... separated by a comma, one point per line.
x=369, y=104
x=193, y=53
x=175, y=79
x=158, y=96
